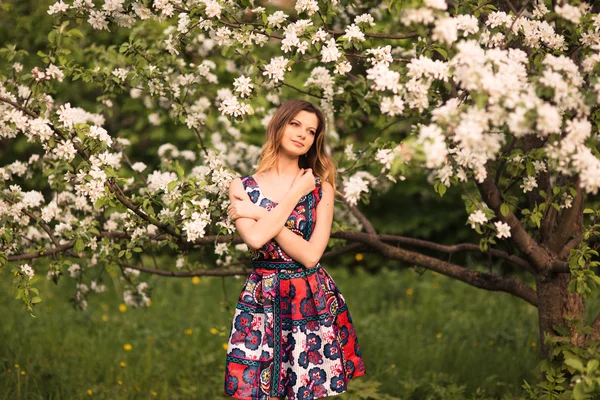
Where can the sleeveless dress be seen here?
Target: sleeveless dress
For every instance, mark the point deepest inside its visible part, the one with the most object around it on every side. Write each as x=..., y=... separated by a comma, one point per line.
x=292, y=334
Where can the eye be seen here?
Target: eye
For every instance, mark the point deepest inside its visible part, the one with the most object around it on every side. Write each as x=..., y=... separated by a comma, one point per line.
x=294, y=123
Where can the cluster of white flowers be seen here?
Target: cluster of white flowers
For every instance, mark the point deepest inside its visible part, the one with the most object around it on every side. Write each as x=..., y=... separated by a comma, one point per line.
x=51, y=72
x=277, y=68
x=529, y=183
x=277, y=18
x=99, y=133
x=308, y=6
x=321, y=78
x=27, y=270
x=384, y=78
x=355, y=185
x=503, y=230
x=159, y=180
x=418, y=16
x=213, y=8
x=535, y=32
x=392, y=106
x=568, y=12
x=243, y=85
x=330, y=51
x=477, y=218
x=353, y=33
x=195, y=224
x=434, y=145
x=138, y=298
x=232, y=106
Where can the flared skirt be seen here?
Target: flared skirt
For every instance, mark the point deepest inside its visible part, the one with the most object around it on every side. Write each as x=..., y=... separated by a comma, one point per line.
x=291, y=336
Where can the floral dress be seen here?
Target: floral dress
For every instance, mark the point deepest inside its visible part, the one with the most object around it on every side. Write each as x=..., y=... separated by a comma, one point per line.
x=292, y=334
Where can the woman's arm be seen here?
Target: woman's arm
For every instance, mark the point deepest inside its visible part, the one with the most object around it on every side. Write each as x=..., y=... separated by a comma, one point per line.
x=256, y=233
x=309, y=252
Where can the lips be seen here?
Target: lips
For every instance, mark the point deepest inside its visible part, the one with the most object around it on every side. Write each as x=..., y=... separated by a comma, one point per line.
x=298, y=143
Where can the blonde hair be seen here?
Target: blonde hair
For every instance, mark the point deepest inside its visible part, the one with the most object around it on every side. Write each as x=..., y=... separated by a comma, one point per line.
x=317, y=158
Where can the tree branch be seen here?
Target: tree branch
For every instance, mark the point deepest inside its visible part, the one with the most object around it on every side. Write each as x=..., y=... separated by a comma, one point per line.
x=475, y=278
x=458, y=248
x=42, y=253
x=536, y=254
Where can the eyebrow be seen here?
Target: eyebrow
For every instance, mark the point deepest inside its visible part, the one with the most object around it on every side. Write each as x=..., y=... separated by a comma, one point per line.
x=294, y=119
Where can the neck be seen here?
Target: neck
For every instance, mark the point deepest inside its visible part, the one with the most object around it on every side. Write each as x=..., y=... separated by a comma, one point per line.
x=285, y=166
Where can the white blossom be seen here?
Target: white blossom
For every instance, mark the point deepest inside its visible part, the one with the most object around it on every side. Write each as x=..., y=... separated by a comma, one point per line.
x=476, y=218
x=503, y=230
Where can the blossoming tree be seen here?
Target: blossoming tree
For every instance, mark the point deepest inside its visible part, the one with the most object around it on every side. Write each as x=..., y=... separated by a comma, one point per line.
x=496, y=101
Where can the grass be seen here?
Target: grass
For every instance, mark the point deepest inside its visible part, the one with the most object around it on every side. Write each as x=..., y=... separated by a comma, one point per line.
x=412, y=329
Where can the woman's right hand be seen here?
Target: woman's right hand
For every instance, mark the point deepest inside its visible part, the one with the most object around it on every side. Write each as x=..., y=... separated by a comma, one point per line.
x=304, y=182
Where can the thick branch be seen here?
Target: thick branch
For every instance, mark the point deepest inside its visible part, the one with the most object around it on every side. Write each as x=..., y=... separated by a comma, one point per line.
x=570, y=221
x=475, y=278
x=458, y=248
x=42, y=253
x=362, y=219
x=536, y=254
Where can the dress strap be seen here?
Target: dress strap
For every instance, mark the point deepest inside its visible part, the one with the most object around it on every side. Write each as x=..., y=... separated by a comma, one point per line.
x=318, y=192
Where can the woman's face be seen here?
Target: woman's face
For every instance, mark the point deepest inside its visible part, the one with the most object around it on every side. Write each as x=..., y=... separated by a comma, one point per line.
x=299, y=134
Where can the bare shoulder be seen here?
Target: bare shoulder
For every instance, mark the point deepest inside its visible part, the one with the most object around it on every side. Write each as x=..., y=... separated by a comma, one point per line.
x=327, y=191
x=236, y=186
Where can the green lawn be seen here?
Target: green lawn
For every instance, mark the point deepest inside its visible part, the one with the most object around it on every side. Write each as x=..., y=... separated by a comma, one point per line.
x=416, y=333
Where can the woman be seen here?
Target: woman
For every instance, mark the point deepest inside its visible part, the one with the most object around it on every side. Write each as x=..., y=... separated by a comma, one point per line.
x=292, y=334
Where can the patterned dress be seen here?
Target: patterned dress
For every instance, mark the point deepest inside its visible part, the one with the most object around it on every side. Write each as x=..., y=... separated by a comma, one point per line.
x=292, y=334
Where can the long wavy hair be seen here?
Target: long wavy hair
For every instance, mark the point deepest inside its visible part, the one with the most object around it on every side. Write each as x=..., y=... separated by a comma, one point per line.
x=316, y=158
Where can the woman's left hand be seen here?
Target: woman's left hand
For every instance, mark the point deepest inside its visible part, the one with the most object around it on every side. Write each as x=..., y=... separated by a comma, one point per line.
x=243, y=208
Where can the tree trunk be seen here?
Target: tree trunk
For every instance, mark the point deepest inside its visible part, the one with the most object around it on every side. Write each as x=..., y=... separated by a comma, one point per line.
x=556, y=306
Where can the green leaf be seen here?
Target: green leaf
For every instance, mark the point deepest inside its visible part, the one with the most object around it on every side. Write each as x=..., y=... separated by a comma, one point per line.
x=574, y=363
x=36, y=300
x=79, y=245
x=442, y=189
x=589, y=211
x=504, y=209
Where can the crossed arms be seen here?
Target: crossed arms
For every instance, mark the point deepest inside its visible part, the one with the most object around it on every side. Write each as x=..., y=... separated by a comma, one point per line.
x=259, y=226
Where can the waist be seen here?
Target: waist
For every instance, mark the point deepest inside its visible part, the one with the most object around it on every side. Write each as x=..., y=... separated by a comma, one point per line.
x=268, y=264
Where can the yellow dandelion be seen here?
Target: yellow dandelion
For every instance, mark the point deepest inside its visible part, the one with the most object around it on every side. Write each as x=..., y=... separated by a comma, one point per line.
x=435, y=273
x=122, y=364
x=120, y=382
x=225, y=346
x=533, y=344
x=137, y=388
x=154, y=394
x=409, y=292
x=196, y=280
x=359, y=257
x=89, y=392
x=122, y=307
x=149, y=303
x=23, y=372
x=438, y=335
x=17, y=366
x=9, y=371
x=188, y=331
x=105, y=318
x=491, y=342
x=150, y=337
x=113, y=274
x=214, y=331
x=393, y=365
x=127, y=347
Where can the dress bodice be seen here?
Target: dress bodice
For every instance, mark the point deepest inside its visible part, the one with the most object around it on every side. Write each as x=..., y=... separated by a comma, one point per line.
x=301, y=221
